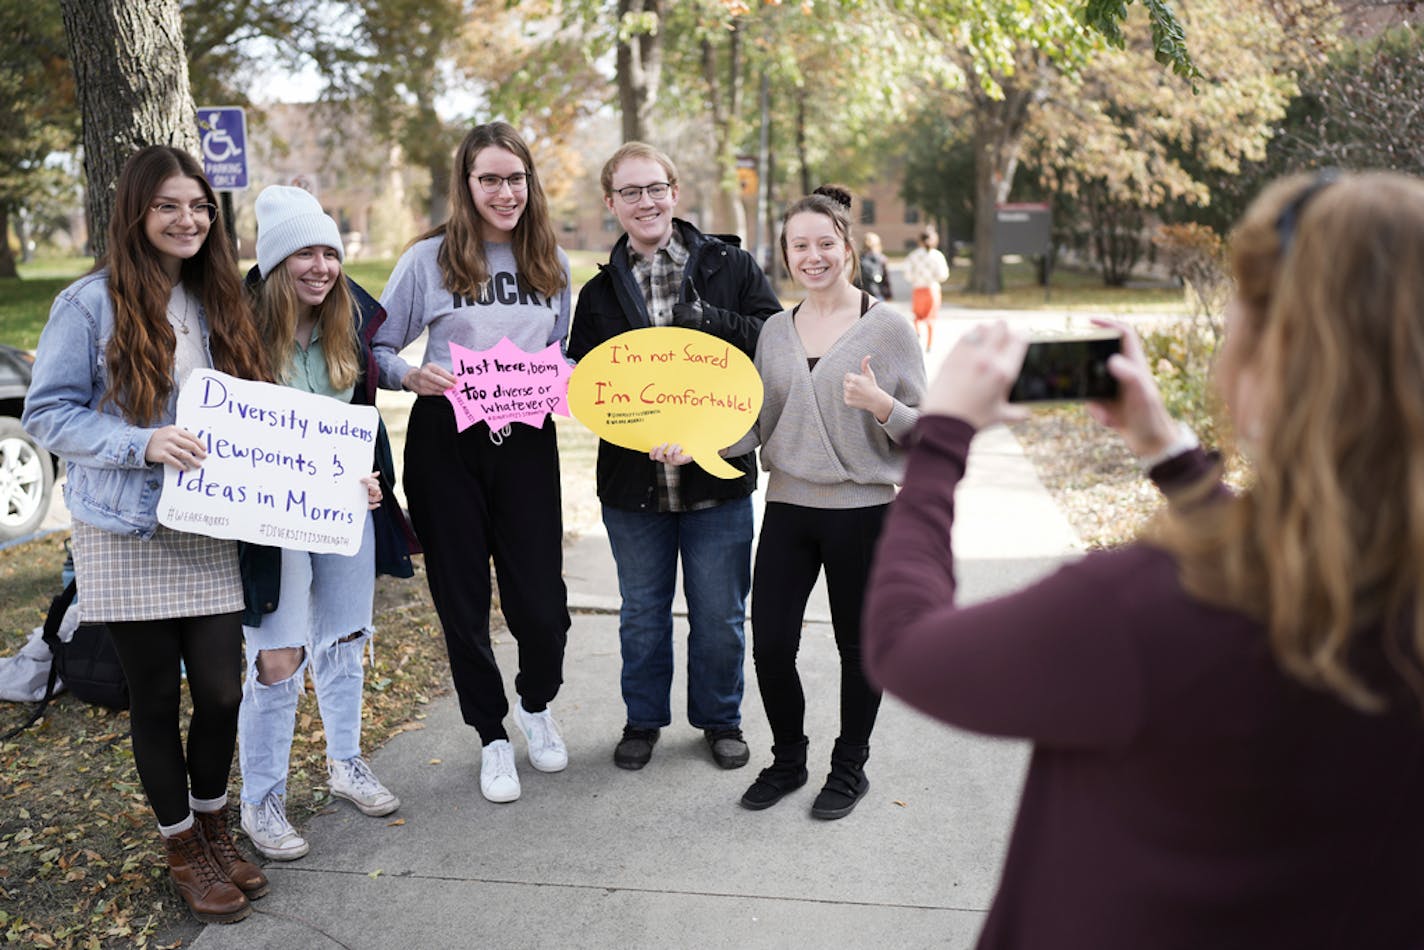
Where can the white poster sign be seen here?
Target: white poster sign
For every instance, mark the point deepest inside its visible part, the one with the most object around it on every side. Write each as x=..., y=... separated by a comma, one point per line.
x=283, y=466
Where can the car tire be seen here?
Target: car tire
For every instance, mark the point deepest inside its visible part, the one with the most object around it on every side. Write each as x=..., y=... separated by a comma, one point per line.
x=26, y=481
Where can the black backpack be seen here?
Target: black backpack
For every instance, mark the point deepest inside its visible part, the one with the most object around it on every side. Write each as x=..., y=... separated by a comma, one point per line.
x=88, y=663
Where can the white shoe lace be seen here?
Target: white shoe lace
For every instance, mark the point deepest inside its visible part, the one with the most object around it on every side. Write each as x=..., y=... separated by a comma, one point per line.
x=500, y=762
x=358, y=776
x=542, y=733
x=272, y=818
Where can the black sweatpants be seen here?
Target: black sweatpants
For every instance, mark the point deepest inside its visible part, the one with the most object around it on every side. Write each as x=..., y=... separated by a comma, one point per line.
x=472, y=498
x=211, y=650
x=795, y=544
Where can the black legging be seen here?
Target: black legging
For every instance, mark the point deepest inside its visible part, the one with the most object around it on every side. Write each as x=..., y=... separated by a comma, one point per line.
x=795, y=542
x=211, y=649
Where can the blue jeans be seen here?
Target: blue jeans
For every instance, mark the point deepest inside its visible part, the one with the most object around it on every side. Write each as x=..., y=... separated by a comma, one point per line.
x=324, y=599
x=716, y=548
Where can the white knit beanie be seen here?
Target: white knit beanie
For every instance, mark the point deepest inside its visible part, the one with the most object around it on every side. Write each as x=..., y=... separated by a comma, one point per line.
x=289, y=219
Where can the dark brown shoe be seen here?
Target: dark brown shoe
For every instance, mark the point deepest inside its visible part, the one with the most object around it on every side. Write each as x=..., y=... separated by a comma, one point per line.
x=240, y=871
x=211, y=897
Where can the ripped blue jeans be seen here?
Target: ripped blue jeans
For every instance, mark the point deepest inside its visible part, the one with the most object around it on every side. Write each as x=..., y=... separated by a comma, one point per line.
x=324, y=599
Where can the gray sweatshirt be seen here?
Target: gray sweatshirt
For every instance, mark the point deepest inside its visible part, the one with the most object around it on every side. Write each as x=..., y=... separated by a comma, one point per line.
x=415, y=300
x=820, y=452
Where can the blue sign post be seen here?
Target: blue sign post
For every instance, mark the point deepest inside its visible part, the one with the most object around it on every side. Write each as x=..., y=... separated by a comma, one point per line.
x=223, y=130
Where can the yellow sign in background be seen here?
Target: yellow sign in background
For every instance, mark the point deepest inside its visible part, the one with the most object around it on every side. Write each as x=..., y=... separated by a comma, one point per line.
x=668, y=384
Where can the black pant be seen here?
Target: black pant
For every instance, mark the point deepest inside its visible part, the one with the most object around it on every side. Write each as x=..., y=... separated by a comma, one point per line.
x=211, y=650
x=472, y=499
x=795, y=543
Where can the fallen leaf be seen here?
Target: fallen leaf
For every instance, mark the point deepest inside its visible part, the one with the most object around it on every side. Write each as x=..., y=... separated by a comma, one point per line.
x=394, y=824
x=376, y=873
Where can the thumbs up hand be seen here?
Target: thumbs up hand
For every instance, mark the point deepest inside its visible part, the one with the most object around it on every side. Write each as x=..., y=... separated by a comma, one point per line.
x=862, y=392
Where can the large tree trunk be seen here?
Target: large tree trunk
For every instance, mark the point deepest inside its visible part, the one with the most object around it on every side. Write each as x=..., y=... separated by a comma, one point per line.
x=426, y=144
x=729, y=216
x=7, y=257
x=639, y=66
x=998, y=134
x=801, y=155
x=132, y=80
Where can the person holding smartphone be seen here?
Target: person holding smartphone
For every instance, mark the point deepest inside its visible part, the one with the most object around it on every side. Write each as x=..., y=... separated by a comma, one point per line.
x=1226, y=715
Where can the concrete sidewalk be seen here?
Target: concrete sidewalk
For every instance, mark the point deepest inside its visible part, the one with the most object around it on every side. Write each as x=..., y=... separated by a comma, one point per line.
x=600, y=857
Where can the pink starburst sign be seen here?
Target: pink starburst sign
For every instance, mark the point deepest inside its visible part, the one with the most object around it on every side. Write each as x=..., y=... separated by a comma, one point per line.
x=504, y=384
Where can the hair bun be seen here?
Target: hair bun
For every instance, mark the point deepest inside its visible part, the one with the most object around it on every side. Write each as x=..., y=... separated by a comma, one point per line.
x=836, y=193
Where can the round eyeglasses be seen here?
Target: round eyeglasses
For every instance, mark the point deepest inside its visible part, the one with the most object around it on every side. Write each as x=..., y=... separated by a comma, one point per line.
x=657, y=191
x=490, y=184
x=171, y=211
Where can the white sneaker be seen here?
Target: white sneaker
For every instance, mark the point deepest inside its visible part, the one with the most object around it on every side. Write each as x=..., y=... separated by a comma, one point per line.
x=499, y=782
x=352, y=780
x=546, y=747
x=267, y=827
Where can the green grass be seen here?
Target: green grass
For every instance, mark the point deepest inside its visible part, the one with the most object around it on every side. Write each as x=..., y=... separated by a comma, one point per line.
x=25, y=300
x=1069, y=290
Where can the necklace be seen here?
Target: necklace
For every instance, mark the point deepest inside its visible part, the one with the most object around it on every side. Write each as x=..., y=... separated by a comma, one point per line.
x=182, y=322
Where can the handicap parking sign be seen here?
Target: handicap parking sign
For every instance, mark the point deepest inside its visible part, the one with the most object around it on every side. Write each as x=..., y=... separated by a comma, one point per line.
x=223, y=131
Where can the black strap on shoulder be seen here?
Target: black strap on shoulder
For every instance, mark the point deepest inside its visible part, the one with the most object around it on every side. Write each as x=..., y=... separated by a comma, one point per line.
x=57, y=609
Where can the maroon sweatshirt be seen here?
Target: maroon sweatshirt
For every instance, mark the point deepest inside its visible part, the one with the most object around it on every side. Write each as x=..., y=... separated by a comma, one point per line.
x=1183, y=792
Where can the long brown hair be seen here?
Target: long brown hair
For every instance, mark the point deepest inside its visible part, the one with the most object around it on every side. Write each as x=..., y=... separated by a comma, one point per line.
x=462, y=256
x=140, y=352
x=276, y=303
x=1326, y=547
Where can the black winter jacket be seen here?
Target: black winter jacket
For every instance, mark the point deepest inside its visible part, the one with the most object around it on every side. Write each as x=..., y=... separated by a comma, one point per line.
x=394, y=537
x=736, y=300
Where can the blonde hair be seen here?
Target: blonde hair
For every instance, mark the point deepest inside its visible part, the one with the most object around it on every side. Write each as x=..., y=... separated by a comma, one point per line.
x=277, y=307
x=635, y=150
x=1326, y=547
x=461, y=257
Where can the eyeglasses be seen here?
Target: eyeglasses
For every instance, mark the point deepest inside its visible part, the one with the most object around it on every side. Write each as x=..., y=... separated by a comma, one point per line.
x=172, y=212
x=490, y=184
x=657, y=191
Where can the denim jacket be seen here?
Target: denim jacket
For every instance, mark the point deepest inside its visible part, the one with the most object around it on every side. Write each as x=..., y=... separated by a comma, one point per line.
x=108, y=483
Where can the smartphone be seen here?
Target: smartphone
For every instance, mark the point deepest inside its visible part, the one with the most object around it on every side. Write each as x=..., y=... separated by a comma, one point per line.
x=1072, y=368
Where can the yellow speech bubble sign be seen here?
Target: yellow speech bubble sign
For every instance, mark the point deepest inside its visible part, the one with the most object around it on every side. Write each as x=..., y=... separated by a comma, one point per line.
x=668, y=384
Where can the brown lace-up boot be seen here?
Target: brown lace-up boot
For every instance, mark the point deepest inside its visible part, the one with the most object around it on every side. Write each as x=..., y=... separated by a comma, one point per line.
x=211, y=897
x=242, y=872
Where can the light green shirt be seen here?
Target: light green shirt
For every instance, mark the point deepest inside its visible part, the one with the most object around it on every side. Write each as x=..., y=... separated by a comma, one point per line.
x=308, y=370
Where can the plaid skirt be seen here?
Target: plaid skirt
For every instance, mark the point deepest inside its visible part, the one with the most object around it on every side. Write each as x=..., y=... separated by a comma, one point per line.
x=173, y=574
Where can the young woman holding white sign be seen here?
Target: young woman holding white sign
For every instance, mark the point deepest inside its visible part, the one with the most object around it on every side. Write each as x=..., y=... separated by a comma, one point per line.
x=492, y=271
x=304, y=607
x=843, y=377
x=119, y=343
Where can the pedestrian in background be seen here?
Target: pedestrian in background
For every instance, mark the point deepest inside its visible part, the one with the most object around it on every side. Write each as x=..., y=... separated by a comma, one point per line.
x=494, y=270
x=665, y=272
x=120, y=342
x=874, y=276
x=843, y=376
x=926, y=269
x=1226, y=715
x=302, y=607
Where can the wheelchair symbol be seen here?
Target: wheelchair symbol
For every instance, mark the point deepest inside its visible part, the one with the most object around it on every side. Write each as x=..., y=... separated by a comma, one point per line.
x=218, y=146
